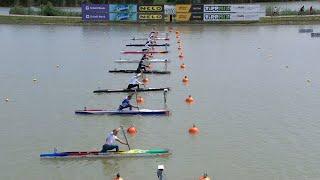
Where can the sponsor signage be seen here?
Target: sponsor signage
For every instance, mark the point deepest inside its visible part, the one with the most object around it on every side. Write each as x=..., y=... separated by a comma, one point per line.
x=169, y=9
x=118, y=8
x=234, y=8
x=150, y=8
x=183, y=17
x=95, y=12
x=184, y=8
x=95, y=8
x=95, y=17
x=230, y=17
x=149, y=16
x=123, y=16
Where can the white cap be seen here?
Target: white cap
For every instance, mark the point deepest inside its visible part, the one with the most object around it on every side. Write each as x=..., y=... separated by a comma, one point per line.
x=161, y=167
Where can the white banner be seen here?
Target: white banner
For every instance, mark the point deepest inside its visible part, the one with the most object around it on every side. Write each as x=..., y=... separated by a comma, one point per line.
x=232, y=8
x=207, y=17
x=169, y=9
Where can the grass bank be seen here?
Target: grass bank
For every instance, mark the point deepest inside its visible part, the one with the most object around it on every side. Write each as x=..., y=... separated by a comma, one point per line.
x=67, y=20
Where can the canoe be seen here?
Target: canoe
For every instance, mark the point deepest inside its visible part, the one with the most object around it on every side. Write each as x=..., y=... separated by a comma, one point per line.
x=144, y=52
x=123, y=112
x=130, y=90
x=305, y=30
x=134, y=71
x=137, y=61
x=166, y=44
x=315, y=34
x=110, y=154
x=158, y=38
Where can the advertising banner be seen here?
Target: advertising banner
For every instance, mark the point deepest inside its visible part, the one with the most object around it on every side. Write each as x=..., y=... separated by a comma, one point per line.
x=123, y=16
x=95, y=12
x=183, y=17
x=150, y=8
x=150, y=16
x=252, y=16
x=184, y=8
x=118, y=8
x=169, y=9
x=95, y=8
x=95, y=17
x=234, y=8
x=230, y=17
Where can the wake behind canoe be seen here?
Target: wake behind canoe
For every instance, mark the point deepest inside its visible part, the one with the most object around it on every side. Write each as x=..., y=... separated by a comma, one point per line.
x=130, y=90
x=123, y=112
x=110, y=154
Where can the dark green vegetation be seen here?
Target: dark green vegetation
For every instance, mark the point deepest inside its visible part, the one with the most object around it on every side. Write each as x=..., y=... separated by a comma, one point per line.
x=287, y=12
x=74, y=3
x=43, y=10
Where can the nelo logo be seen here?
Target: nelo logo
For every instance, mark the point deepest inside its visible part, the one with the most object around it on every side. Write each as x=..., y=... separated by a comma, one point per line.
x=150, y=16
x=150, y=8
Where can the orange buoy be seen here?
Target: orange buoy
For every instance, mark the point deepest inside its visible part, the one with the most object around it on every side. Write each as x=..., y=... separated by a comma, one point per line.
x=185, y=79
x=132, y=130
x=204, y=177
x=180, y=55
x=177, y=32
x=182, y=66
x=145, y=80
x=140, y=100
x=193, y=130
x=189, y=100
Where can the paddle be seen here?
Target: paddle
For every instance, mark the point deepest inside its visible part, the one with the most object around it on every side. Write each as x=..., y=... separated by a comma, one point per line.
x=125, y=137
x=142, y=76
x=137, y=99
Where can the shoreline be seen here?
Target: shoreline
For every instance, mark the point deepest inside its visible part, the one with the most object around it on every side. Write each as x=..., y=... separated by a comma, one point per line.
x=77, y=21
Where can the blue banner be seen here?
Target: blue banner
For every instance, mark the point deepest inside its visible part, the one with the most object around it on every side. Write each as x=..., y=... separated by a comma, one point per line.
x=118, y=8
x=95, y=8
x=123, y=16
x=95, y=17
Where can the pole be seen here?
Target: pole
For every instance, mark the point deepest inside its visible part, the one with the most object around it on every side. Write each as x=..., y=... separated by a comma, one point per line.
x=165, y=98
x=136, y=98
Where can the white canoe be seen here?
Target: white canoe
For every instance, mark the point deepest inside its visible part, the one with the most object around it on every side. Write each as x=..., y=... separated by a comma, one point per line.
x=137, y=61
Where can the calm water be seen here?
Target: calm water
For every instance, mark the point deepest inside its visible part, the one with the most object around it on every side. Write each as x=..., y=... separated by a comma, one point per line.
x=258, y=119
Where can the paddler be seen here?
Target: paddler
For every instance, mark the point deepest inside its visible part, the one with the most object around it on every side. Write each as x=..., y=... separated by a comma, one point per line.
x=126, y=104
x=141, y=67
x=118, y=177
x=134, y=82
x=160, y=173
x=111, y=141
